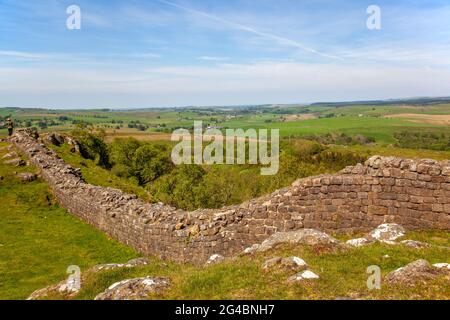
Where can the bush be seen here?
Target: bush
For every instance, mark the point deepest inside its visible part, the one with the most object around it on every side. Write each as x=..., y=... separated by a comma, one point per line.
x=92, y=145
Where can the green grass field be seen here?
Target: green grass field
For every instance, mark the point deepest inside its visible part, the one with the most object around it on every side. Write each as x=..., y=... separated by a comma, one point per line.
x=367, y=120
x=39, y=239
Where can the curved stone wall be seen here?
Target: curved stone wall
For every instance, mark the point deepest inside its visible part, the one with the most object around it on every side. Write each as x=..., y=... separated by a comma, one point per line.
x=413, y=193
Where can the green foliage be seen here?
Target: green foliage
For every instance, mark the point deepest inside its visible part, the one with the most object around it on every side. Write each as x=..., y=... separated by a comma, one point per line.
x=150, y=162
x=121, y=155
x=92, y=144
x=180, y=188
x=423, y=140
x=341, y=139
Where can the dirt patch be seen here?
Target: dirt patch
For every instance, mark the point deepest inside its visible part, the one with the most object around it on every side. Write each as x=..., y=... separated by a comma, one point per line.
x=299, y=117
x=438, y=119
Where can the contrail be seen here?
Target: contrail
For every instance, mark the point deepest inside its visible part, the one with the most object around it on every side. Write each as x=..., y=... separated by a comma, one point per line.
x=242, y=27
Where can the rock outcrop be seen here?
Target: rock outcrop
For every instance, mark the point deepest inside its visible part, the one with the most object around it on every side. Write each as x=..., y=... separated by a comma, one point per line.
x=286, y=264
x=309, y=237
x=417, y=271
x=71, y=286
x=415, y=194
x=134, y=289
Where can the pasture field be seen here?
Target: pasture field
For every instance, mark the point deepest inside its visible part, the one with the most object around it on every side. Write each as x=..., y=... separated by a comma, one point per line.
x=380, y=123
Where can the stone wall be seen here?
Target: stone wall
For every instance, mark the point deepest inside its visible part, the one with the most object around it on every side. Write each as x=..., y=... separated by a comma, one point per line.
x=415, y=194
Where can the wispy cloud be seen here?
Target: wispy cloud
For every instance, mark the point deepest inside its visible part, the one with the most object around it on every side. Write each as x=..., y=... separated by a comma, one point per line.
x=211, y=58
x=276, y=38
x=23, y=55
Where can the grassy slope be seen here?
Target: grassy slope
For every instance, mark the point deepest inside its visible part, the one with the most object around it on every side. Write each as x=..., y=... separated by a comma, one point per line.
x=342, y=273
x=39, y=240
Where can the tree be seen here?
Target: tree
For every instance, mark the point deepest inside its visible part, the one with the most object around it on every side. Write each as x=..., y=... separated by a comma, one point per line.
x=151, y=161
x=92, y=144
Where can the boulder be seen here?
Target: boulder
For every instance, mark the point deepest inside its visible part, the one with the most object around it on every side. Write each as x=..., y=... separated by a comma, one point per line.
x=54, y=138
x=359, y=242
x=70, y=288
x=214, y=259
x=387, y=232
x=288, y=264
x=17, y=162
x=27, y=177
x=310, y=237
x=134, y=289
x=304, y=275
x=411, y=274
x=75, y=146
x=415, y=244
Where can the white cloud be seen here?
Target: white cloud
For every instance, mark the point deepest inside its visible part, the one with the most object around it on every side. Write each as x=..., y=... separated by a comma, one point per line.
x=224, y=84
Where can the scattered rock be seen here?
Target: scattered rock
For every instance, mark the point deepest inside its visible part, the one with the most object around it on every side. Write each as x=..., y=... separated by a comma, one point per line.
x=134, y=289
x=359, y=242
x=70, y=287
x=304, y=275
x=10, y=155
x=289, y=264
x=387, y=232
x=17, y=162
x=111, y=266
x=417, y=271
x=415, y=244
x=214, y=259
x=27, y=177
x=309, y=237
x=251, y=249
x=75, y=145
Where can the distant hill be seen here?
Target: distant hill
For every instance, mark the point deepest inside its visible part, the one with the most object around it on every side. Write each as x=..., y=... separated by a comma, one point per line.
x=411, y=101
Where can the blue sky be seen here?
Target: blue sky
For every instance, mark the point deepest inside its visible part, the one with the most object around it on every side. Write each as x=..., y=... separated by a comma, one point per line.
x=157, y=53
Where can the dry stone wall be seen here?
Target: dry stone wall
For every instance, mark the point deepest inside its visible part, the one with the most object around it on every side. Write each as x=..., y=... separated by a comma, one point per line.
x=413, y=193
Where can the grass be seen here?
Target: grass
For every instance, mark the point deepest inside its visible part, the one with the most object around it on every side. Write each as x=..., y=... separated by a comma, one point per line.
x=342, y=274
x=388, y=151
x=39, y=239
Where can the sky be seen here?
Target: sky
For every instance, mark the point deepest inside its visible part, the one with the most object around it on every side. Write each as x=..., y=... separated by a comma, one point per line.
x=165, y=53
